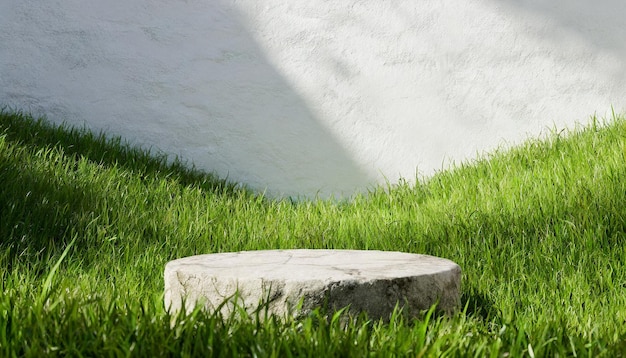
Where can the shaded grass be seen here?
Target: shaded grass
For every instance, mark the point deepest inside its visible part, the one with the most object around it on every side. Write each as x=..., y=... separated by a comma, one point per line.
x=539, y=231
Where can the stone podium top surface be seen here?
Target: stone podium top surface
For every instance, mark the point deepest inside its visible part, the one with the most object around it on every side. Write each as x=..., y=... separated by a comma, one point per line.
x=323, y=265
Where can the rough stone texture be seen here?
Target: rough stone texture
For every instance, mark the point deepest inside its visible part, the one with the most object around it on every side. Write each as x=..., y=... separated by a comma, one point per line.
x=371, y=281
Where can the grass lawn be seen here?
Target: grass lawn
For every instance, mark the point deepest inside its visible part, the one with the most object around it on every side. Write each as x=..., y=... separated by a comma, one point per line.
x=88, y=223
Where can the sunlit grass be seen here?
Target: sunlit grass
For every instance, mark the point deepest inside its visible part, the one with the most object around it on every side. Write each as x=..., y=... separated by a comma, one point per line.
x=539, y=231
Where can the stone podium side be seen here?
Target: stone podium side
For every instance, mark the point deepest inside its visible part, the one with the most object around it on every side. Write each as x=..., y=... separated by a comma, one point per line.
x=303, y=280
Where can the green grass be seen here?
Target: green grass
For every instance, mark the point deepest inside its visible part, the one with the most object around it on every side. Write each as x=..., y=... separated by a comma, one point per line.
x=87, y=224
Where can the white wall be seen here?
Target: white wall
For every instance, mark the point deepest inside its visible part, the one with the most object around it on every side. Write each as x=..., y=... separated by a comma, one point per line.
x=320, y=96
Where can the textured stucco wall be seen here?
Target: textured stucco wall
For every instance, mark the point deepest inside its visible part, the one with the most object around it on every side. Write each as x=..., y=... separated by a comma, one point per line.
x=306, y=97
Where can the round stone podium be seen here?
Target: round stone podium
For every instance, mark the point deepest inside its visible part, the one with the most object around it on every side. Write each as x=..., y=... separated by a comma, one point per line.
x=286, y=281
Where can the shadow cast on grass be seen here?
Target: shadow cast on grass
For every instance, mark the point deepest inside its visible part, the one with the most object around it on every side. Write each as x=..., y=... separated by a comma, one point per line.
x=44, y=204
x=479, y=305
x=37, y=216
x=102, y=150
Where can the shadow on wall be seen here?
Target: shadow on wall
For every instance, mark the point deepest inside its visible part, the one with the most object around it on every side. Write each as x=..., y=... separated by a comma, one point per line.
x=184, y=78
x=315, y=97
x=599, y=26
x=404, y=84
x=600, y=23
